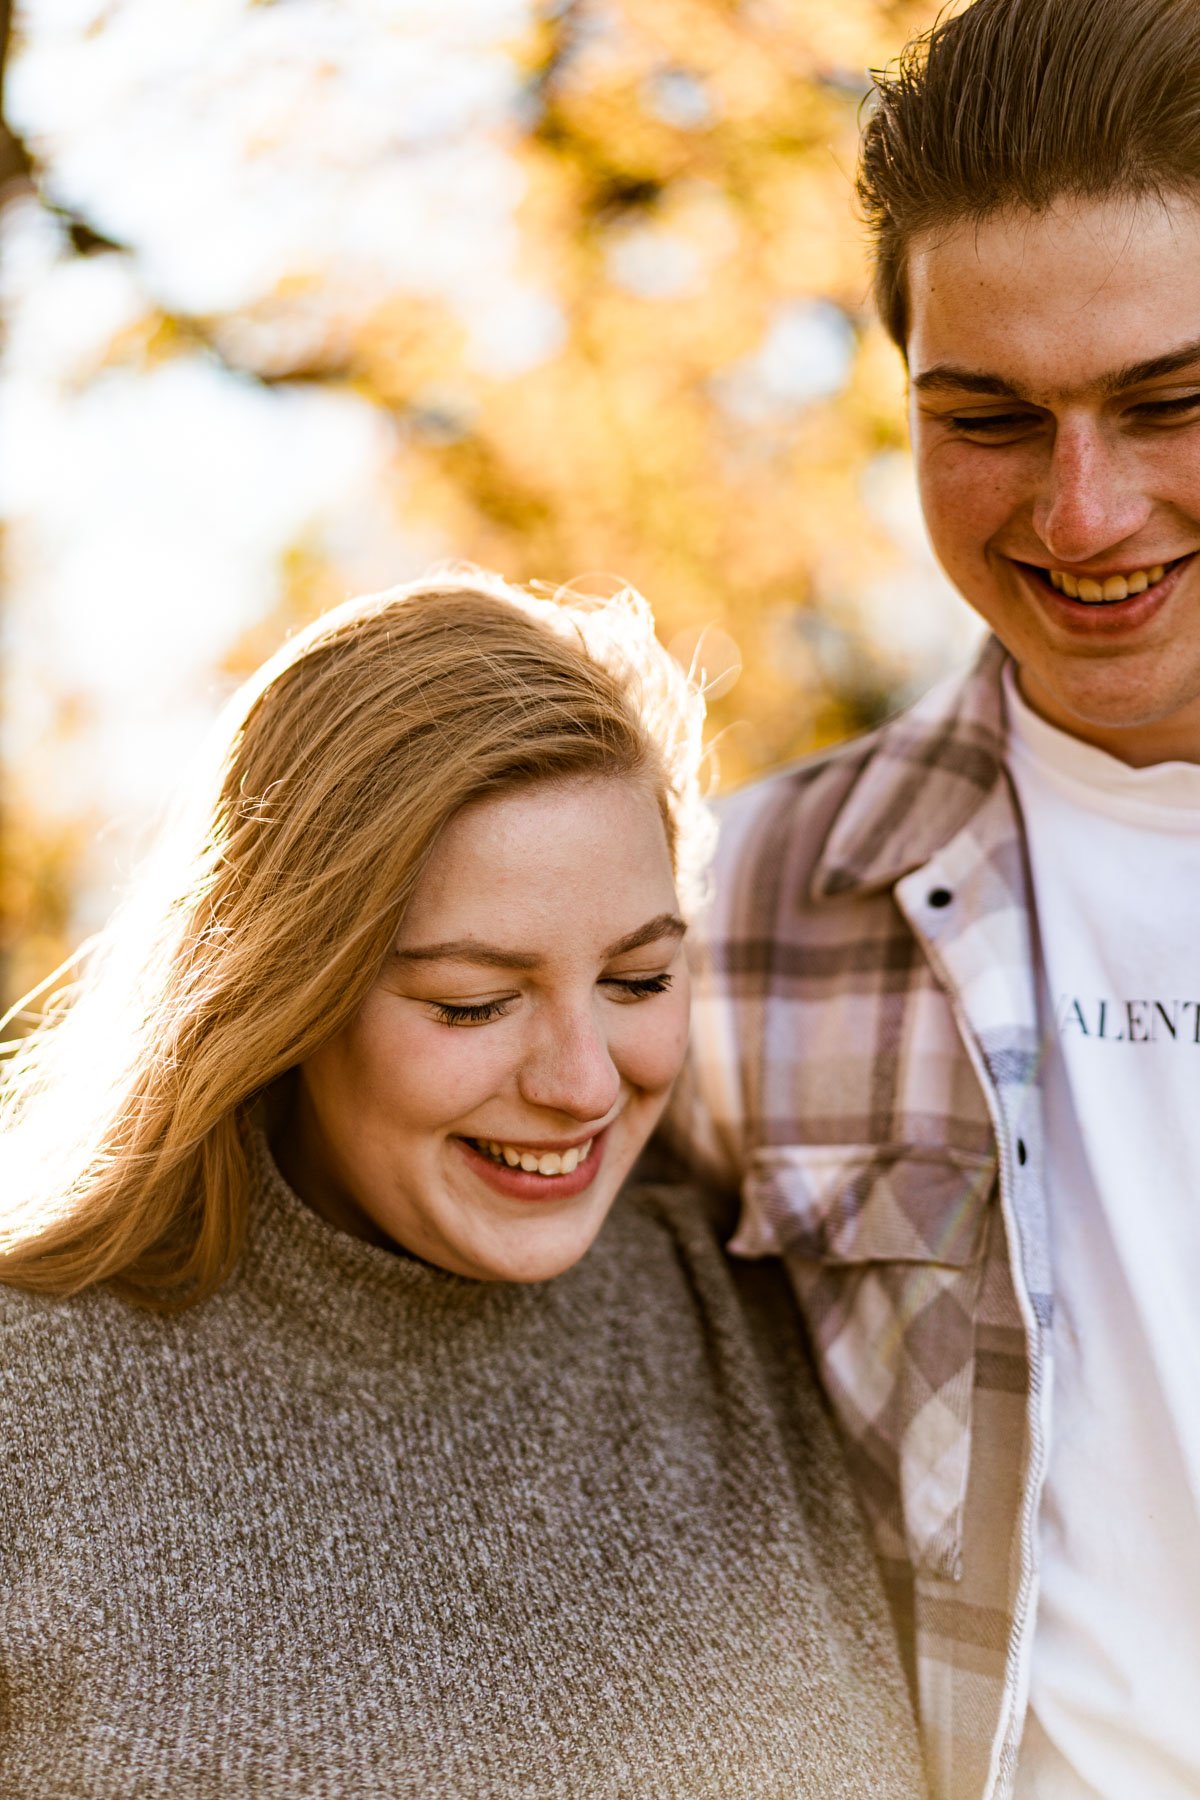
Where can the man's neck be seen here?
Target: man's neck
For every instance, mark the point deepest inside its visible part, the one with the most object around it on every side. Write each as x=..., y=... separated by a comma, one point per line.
x=1141, y=743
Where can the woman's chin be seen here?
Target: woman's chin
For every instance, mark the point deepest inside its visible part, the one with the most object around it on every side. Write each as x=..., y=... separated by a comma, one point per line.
x=534, y=1246
x=516, y=1225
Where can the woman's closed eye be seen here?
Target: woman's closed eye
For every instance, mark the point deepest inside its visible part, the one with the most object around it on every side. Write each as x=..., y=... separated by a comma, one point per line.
x=465, y=1012
x=637, y=987
x=622, y=988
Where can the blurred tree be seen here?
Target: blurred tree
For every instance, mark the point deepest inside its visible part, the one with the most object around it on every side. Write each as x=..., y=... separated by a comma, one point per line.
x=627, y=334
x=15, y=910
x=702, y=427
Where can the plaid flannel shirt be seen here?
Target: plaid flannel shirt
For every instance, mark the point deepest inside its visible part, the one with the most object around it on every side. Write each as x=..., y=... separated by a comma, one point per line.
x=864, y=1058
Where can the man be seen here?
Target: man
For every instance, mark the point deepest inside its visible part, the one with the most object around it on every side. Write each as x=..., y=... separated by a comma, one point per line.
x=948, y=1023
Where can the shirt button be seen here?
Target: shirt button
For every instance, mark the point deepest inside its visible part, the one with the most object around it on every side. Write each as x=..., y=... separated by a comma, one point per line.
x=1022, y=1153
x=940, y=897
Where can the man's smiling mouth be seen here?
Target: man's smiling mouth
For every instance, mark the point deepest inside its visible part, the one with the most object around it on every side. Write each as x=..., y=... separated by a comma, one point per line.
x=1113, y=587
x=1105, y=590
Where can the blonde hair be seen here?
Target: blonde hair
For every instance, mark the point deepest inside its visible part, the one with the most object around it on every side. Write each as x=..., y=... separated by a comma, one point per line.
x=257, y=928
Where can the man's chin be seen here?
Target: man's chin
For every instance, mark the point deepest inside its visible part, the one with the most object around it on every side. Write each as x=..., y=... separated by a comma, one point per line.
x=1139, y=721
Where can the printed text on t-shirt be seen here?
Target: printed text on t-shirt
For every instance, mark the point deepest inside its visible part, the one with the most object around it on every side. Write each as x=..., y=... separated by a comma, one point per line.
x=1129, y=1021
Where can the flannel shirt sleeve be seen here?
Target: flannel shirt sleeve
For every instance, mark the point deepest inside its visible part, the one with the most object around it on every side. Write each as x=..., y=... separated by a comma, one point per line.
x=706, y=1125
x=703, y=1126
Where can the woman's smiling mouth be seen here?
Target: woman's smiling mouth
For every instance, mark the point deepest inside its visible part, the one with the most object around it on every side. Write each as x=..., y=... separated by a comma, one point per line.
x=534, y=1162
x=523, y=1173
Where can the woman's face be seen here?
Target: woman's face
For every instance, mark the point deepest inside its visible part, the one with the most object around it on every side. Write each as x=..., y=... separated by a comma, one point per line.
x=489, y=1098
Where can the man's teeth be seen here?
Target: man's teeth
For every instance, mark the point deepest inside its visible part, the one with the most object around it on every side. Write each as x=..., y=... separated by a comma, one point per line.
x=1113, y=587
x=549, y=1162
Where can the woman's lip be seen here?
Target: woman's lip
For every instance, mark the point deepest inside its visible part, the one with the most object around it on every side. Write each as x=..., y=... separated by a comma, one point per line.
x=519, y=1184
x=1103, y=618
x=540, y=1146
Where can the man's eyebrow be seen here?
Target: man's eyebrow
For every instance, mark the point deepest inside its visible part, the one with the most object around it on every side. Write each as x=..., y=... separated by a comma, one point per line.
x=469, y=950
x=946, y=378
x=1153, y=369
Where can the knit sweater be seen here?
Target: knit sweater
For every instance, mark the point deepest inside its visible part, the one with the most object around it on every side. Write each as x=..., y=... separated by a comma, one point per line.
x=359, y=1529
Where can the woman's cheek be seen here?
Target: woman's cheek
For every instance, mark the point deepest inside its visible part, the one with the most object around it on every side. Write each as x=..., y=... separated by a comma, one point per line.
x=655, y=1047
x=456, y=1067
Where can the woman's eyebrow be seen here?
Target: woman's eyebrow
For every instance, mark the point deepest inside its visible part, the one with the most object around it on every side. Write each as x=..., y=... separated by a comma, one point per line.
x=663, y=925
x=469, y=950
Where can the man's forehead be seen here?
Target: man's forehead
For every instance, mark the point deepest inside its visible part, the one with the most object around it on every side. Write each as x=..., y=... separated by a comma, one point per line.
x=1052, y=304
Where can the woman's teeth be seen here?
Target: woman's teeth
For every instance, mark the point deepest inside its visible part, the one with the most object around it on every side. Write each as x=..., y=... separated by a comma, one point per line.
x=549, y=1162
x=1113, y=587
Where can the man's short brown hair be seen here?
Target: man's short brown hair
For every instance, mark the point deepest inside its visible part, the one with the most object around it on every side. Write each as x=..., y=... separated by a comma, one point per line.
x=1020, y=102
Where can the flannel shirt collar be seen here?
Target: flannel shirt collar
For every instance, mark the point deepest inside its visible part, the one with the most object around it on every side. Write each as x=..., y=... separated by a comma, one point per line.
x=933, y=770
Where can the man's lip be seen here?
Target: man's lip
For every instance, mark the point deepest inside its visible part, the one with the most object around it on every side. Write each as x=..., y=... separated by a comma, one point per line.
x=1103, y=621
x=1080, y=573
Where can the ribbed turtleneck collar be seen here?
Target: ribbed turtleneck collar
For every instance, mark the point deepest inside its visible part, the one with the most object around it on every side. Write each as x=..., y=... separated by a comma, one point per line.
x=293, y=1260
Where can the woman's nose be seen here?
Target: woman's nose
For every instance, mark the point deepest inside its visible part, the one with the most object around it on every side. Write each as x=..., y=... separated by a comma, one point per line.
x=570, y=1069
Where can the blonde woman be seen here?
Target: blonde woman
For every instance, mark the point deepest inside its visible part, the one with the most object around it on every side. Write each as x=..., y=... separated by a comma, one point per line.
x=358, y=1436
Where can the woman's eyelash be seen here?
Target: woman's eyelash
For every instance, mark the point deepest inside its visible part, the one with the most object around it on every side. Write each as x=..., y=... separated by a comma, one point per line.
x=467, y=1014
x=638, y=987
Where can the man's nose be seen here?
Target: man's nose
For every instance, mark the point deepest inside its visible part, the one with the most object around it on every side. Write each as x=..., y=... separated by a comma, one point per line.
x=569, y=1069
x=1091, y=500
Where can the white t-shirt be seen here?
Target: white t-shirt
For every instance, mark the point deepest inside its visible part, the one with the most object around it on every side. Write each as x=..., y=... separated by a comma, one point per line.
x=1115, y=859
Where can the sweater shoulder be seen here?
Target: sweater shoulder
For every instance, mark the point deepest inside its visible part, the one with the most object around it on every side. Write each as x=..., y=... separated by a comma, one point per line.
x=750, y=1299
x=59, y=1352
x=30, y=1321
x=688, y=1211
